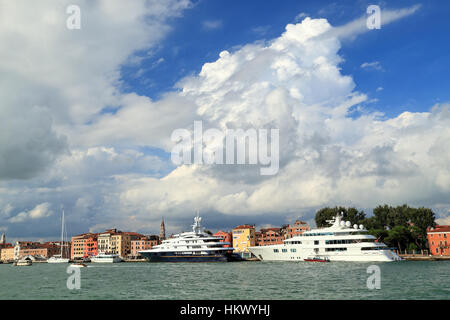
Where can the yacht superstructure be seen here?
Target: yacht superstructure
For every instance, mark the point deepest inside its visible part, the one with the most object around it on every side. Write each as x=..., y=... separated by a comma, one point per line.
x=339, y=242
x=194, y=246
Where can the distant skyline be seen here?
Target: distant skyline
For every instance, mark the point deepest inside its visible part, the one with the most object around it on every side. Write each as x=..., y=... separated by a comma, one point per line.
x=86, y=115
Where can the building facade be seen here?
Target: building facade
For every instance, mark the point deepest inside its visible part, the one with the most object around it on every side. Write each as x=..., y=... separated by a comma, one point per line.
x=38, y=250
x=143, y=243
x=269, y=236
x=243, y=237
x=7, y=254
x=439, y=240
x=226, y=237
x=295, y=229
x=84, y=246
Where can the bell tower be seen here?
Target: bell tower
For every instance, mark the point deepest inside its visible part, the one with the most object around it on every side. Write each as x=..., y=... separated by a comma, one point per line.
x=162, y=231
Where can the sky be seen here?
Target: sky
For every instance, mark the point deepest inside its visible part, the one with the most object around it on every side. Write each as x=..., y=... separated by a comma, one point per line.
x=87, y=115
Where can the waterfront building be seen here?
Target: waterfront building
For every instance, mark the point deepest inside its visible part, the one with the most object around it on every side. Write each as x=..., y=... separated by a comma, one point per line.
x=439, y=240
x=7, y=253
x=143, y=243
x=104, y=241
x=225, y=236
x=269, y=236
x=295, y=229
x=121, y=242
x=112, y=241
x=243, y=237
x=38, y=250
x=84, y=246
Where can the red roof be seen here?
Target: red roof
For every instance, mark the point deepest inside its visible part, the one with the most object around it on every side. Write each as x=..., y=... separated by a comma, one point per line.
x=440, y=229
x=276, y=230
x=245, y=226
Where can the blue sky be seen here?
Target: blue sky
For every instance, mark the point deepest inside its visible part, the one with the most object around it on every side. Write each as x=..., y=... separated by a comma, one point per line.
x=87, y=118
x=413, y=53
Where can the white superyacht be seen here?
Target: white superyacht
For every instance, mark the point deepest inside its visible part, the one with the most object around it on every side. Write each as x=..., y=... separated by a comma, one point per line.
x=195, y=246
x=339, y=242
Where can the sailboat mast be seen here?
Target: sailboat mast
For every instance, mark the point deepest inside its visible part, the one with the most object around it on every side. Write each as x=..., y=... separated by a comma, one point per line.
x=62, y=233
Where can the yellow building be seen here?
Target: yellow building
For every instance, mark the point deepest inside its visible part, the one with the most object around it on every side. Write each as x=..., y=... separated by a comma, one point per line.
x=117, y=242
x=7, y=254
x=243, y=237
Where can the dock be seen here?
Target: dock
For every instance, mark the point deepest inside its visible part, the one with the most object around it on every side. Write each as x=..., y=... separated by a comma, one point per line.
x=418, y=257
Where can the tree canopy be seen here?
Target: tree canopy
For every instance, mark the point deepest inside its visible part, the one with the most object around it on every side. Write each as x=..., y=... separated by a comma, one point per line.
x=403, y=227
x=350, y=214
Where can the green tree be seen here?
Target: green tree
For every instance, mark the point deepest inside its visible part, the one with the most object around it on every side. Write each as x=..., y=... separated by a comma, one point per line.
x=350, y=214
x=398, y=236
x=420, y=220
x=380, y=217
x=380, y=234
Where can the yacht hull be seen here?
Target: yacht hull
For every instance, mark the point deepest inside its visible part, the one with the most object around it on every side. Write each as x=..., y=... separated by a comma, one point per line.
x=266, y=253
x=58, y=261
x=106, y=260
x=172, y=257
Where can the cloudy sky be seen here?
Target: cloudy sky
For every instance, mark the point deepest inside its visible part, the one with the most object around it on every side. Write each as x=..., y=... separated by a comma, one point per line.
x=86, y=115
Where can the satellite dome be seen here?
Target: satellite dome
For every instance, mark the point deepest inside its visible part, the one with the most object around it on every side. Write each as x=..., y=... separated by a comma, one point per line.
x=348, y=224
x=361, y=226
x=355, y=226
x=342, y=223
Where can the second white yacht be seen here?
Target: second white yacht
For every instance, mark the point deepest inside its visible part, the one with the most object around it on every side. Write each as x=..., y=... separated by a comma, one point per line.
x=339, y=242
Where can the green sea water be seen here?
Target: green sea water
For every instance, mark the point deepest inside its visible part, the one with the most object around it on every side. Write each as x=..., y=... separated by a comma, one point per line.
x=239, y=280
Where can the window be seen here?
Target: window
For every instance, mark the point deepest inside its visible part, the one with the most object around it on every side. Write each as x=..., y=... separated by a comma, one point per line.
x=316, y=242
x=284, y=250
x=275, y=250
x=336, y=249
x=293, y=250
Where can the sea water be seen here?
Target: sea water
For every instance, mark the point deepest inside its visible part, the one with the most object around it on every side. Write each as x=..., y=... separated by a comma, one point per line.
x=236, y=280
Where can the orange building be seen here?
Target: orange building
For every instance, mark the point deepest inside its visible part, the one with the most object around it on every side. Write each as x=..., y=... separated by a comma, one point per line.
x=84, y=246
x=37, y=249
x=225, y=236
x=439, y=240
x=295, y=229
x=269, y=236
x=143, y=243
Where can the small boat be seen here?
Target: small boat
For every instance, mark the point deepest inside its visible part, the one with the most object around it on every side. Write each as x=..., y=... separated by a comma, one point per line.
x=23, y=262
x=78, y=265
x=106, y=258
x=317, y=259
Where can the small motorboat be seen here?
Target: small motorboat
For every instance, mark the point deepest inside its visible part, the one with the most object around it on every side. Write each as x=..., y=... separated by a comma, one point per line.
x=317, y=259
x=78, y=265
